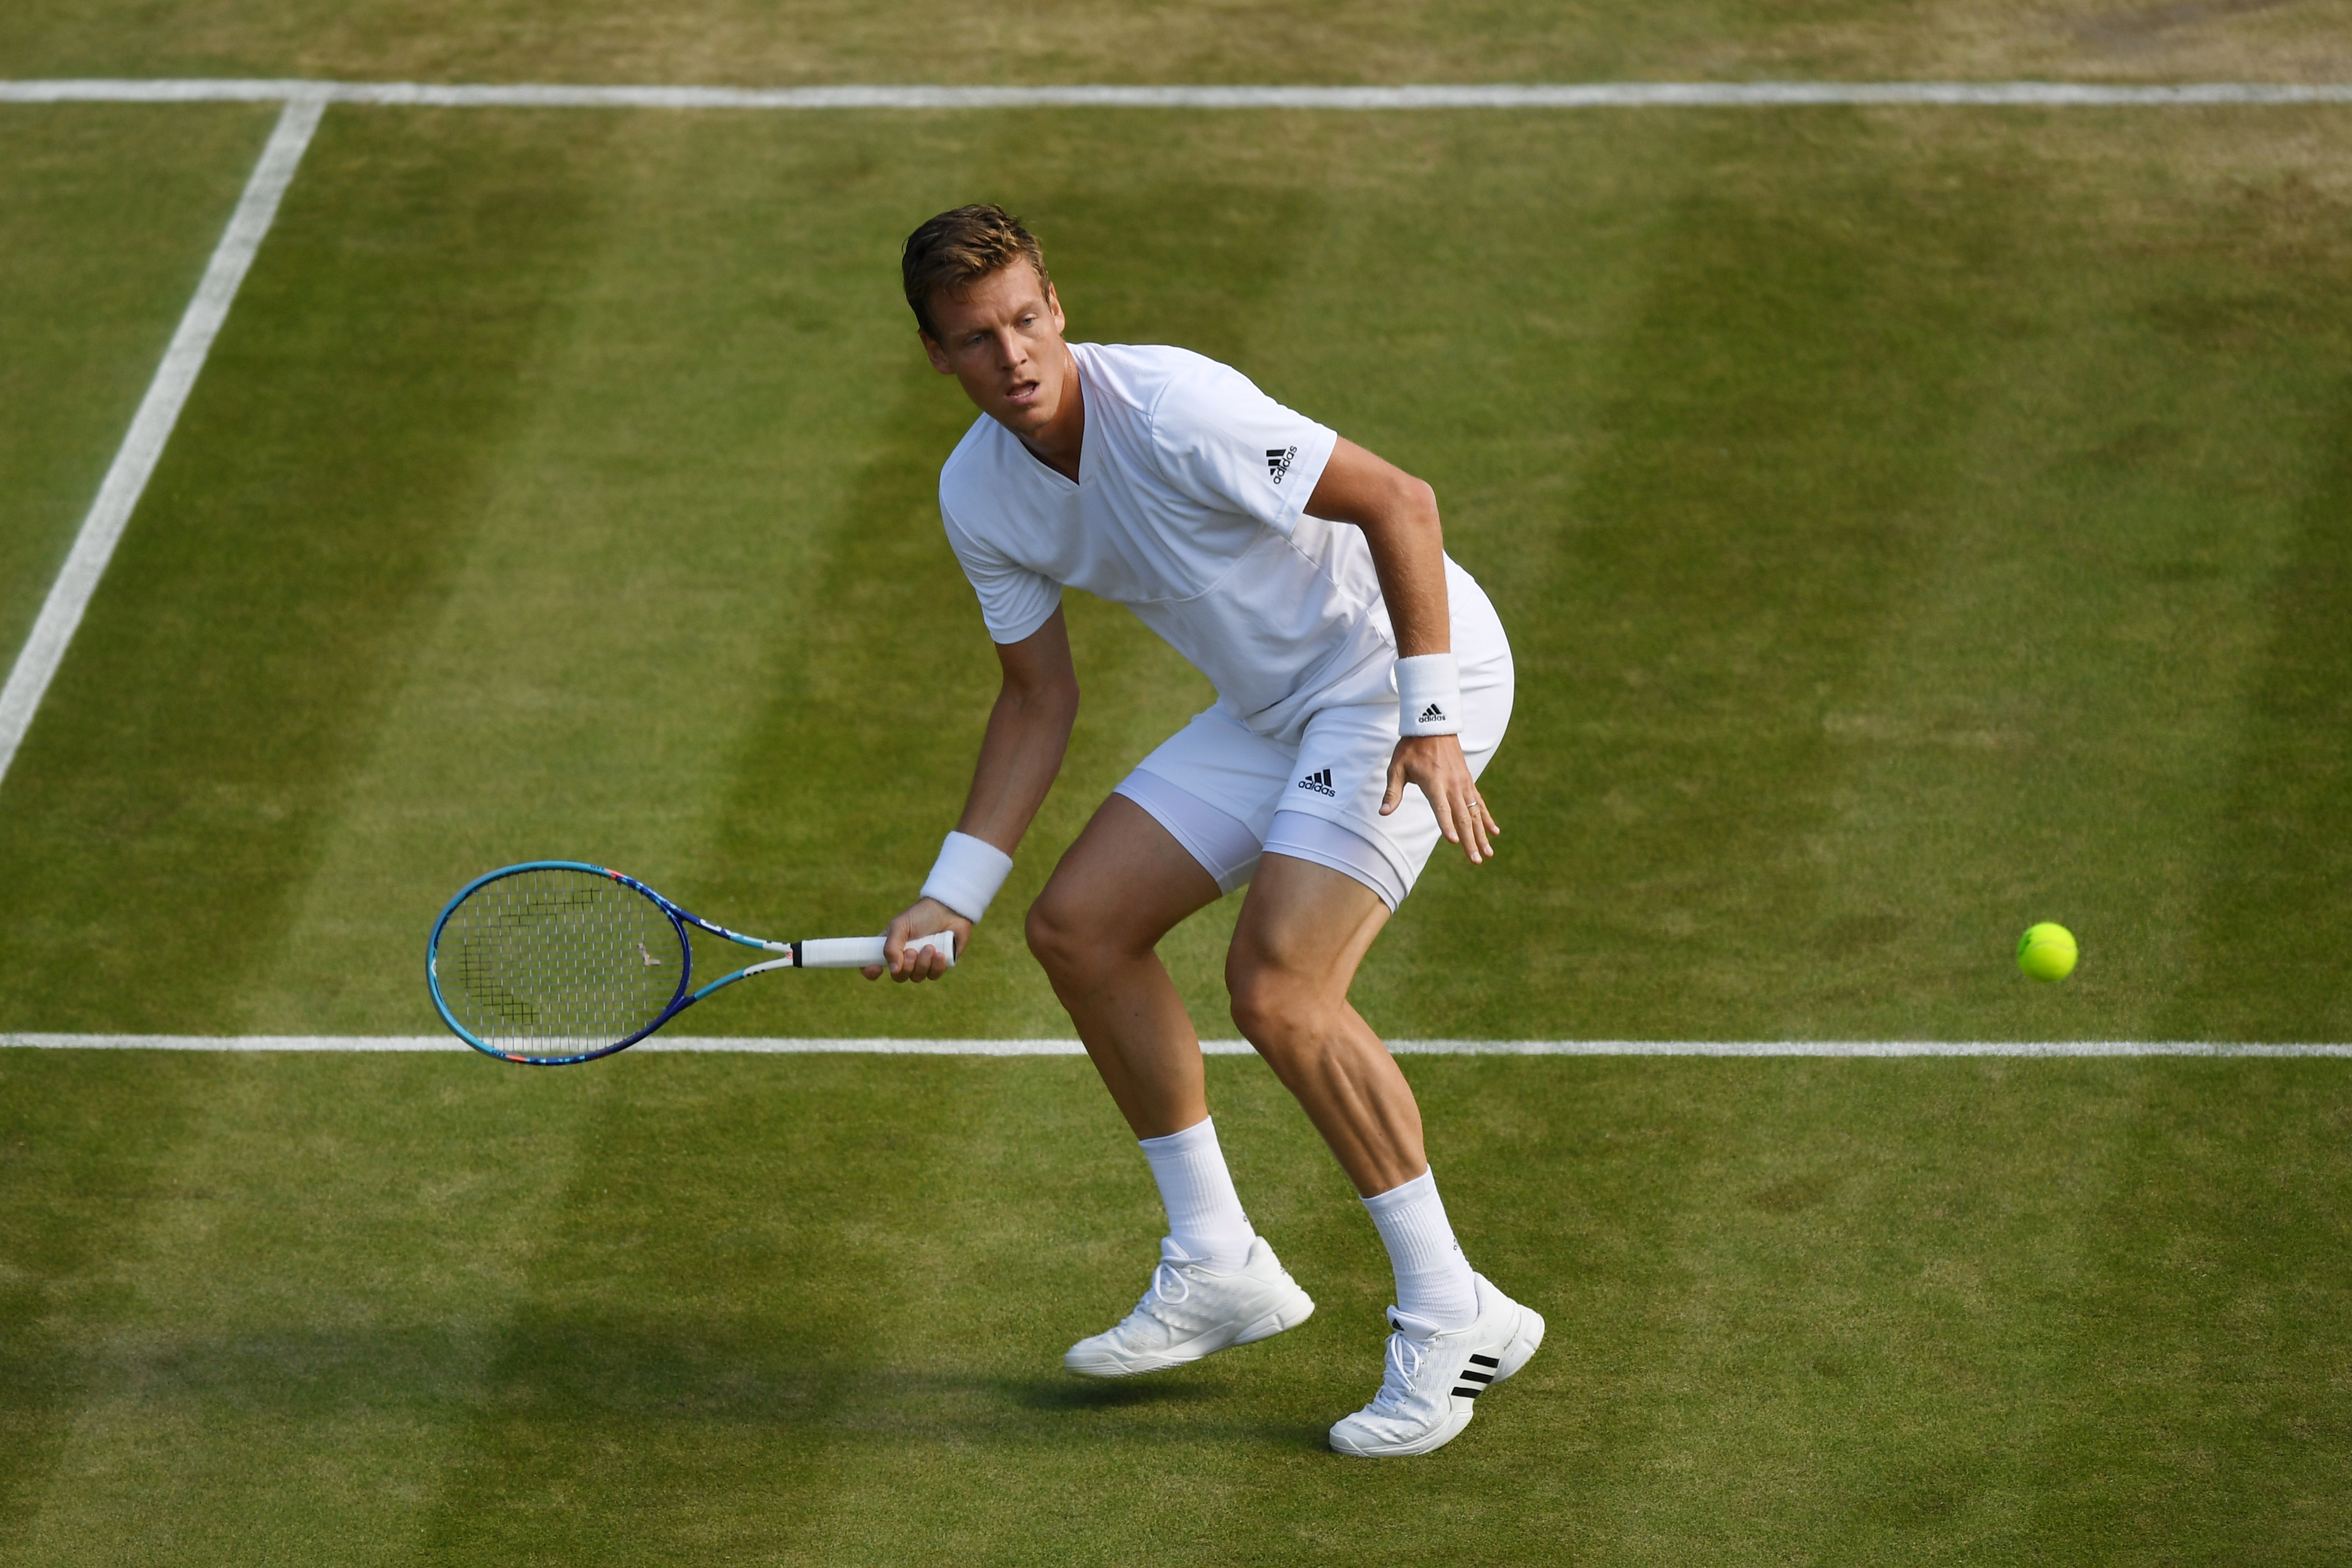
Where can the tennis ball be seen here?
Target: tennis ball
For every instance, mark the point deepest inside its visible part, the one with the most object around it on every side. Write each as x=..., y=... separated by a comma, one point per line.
x=2046, y=952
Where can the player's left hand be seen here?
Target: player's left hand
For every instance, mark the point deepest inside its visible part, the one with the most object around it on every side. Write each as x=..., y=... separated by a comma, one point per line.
x=1435, y=763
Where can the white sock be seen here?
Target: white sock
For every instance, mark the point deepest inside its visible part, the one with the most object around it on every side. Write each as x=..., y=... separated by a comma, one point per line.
x=1432, y=1277
x=1204, y=1213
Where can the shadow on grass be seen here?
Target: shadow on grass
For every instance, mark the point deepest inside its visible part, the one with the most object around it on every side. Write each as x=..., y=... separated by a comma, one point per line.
x=1068, y=1392
x=611, y=1371
x=588, y=1430
x=1163, y=1393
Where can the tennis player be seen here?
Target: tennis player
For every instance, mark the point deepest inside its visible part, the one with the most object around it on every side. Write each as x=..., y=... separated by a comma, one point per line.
x=1363, y=682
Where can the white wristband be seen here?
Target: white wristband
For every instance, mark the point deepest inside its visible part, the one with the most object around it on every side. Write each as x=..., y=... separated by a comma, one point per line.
x=967, y=875
x=1429, y=695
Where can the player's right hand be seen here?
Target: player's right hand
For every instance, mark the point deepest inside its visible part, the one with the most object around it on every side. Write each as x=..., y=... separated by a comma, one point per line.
x=1435, y=763
x=924, y=917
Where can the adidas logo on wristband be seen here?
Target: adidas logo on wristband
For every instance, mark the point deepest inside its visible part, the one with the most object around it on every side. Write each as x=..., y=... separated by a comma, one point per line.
x=1429, y=690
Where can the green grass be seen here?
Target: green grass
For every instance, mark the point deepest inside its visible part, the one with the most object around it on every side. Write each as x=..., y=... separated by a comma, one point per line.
x=719, y=1310
x=1910, y=524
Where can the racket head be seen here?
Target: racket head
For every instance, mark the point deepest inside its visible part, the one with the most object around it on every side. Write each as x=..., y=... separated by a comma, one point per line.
x=555, y=961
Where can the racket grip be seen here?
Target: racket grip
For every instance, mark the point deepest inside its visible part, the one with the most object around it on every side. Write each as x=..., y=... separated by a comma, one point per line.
x=861, y=951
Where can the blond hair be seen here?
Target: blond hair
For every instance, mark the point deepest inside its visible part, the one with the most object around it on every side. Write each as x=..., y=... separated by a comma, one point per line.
x=957, y=250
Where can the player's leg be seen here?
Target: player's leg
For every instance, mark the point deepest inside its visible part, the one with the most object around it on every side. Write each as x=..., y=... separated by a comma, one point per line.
x=1125, y=883
x=1123, y=886
x=1303, y=932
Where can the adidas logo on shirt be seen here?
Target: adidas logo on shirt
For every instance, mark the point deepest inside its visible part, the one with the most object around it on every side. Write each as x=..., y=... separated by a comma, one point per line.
x=1320, y=782
x=1433, y=714
x=1277, y=462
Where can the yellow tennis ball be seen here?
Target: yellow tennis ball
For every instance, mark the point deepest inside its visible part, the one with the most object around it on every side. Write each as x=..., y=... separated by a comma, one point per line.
x=2046, y=952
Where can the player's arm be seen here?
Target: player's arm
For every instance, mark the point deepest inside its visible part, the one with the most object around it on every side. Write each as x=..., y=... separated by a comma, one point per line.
x=1398, y=514
x=1028, y=732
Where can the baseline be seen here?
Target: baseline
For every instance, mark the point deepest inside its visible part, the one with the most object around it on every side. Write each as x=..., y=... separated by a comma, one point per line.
x=927, y=1048
x=1539, y=95
x=126, y=478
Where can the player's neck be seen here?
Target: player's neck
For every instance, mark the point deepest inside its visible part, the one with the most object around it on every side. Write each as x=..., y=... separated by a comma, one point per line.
x=1060, y=442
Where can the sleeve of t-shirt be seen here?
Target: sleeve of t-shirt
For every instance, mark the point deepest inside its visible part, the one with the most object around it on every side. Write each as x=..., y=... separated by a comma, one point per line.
x=1226, y=444
x=1013, y=600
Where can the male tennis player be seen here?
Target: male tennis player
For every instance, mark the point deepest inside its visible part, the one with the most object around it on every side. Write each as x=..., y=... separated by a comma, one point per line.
x=1363, y=683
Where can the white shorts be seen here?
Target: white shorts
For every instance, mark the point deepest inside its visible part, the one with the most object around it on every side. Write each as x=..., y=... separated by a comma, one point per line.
x=1229, y=794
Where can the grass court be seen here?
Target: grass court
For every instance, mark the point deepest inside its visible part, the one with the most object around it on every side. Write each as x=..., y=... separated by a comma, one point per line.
x=1911, y=523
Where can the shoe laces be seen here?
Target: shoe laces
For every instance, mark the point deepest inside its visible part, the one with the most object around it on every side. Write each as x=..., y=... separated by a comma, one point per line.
x=1399, y=1366
x=1168, y=1284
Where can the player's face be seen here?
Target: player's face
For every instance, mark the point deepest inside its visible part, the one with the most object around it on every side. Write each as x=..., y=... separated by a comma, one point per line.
x=1003, y=342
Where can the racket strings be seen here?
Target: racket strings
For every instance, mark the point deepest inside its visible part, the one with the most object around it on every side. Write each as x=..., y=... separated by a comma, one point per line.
x=551, y=957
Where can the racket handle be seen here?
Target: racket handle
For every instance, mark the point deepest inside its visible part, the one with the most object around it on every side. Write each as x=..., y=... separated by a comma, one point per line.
x=862, y=952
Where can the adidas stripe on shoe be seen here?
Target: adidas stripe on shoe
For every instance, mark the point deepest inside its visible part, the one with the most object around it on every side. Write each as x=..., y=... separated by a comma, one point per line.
x=1431, y=1379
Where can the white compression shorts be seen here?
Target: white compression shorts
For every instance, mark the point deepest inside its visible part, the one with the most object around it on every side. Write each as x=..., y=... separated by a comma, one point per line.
x=1229, y=794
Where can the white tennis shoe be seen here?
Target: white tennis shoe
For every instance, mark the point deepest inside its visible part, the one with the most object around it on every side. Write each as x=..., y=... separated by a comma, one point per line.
x=1430, y=1378
x=1192, y=1311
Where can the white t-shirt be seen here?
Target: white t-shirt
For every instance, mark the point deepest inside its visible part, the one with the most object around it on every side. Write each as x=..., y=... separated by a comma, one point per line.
x=1189, y=510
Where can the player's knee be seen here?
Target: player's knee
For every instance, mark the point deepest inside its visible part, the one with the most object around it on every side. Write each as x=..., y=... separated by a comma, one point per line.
x=1059, y=933
x=1047, y=936
x=1271, y=1007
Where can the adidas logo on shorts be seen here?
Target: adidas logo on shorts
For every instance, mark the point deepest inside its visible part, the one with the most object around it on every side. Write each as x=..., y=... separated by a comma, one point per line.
x=1320, y=782
x=1277, y=462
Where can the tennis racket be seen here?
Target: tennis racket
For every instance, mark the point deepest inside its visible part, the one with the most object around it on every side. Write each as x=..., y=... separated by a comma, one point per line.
x=555, y=961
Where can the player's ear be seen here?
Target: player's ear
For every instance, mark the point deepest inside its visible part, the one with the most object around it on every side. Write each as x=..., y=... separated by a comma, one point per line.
x=938, y=356
x=1053, y=303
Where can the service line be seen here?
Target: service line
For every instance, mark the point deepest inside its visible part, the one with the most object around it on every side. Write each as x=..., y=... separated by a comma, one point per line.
x=919, y=1048
x=118, y=496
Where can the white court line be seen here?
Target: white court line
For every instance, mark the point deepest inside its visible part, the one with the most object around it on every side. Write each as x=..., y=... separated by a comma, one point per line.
x=118, y=496
x=1557, y=95
x=729, y=1044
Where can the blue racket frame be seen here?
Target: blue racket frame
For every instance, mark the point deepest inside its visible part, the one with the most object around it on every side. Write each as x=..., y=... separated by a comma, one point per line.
x=680, y=1000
